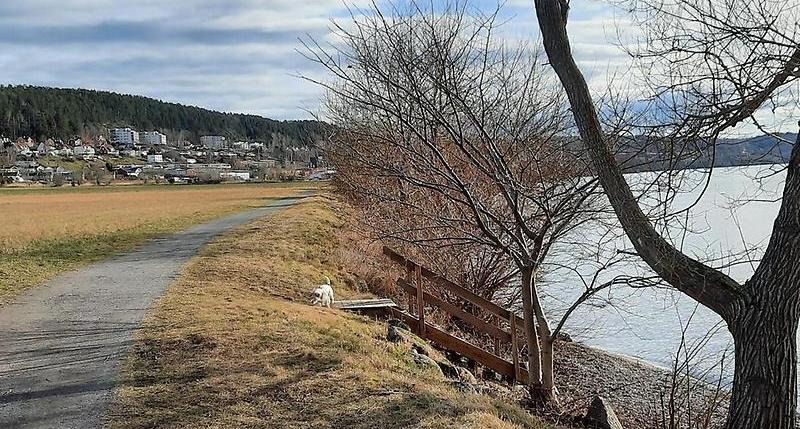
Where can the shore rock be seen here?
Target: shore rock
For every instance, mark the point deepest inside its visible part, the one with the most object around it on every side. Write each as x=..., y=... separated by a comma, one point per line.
x=635, y=388
x=466, y=376
x=563, y=336
x=397, y=323
x=602, y=415
x=424, y=360
x=393, y=335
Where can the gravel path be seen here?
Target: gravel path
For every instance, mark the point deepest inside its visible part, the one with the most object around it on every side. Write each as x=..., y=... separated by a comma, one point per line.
x=61, y=343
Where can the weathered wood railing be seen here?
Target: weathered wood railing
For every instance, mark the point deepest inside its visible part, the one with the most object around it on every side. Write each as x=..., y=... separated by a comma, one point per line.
x=418, y=298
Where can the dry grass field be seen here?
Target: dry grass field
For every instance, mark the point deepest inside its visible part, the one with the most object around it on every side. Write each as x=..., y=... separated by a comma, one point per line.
x=235, y=343
x=45, y=215
x=47, y=231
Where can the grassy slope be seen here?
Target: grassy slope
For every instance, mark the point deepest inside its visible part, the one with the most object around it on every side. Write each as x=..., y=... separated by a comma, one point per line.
x=44, y=258
x=235, y=344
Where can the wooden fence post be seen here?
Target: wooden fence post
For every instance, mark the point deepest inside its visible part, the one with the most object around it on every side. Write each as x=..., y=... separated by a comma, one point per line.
x=496, y=340
x=514, y=347
x=420, y=300
x=410, y=280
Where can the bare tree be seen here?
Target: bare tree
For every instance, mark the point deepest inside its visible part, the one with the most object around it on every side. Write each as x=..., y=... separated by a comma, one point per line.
x=729, y=60
x=449, y=137
x=97, y=173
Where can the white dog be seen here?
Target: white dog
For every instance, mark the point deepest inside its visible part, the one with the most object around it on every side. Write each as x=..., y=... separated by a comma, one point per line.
x=323, y=294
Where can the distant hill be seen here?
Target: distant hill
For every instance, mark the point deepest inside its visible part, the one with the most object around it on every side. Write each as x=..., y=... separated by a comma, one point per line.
x=756, y=150
x=39, y=112
x=640, y=155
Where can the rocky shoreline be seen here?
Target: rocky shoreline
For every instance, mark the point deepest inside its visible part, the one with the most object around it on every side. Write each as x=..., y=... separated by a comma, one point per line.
x=641, y=395
x=639, y=392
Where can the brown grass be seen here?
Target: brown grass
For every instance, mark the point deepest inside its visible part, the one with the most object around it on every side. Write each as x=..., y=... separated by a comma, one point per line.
x=44, y=215
x=48, y=231
x=234, y=343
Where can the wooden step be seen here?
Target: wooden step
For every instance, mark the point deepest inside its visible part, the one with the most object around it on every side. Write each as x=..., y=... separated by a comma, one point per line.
x=359, y=304
x=366, y=307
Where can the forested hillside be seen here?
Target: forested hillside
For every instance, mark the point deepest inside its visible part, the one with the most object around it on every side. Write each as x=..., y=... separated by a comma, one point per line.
x=28, y=111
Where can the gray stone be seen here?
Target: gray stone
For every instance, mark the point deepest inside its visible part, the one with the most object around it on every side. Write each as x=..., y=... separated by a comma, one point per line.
x=488, y=374
x=464, y=387
x=519, y=391
x=425, y=361
x=399, y=324
x=393, y=335
x=601, y=415
x=422, y=348
x=449, y=370
x=564, y=337
x=458, y=373
x=466, y=376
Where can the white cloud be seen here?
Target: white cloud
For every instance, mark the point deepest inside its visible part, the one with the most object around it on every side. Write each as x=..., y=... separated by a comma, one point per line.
x=234, y=55
x=240, y=55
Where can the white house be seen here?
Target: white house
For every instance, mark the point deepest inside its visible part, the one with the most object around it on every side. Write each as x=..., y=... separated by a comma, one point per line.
x=106, y=149
x=153, y=138
x=155, y=158
x=129, y=171
x=235, y=175
x=46, y=147
x=241, y=145
x=11, y=174
x=84, y=151
x=124, y=137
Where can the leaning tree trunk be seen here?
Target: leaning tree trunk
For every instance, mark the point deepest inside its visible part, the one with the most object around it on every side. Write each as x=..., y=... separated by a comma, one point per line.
x=765, y=376
x=762, y=315
x=531, y=337
x=764, y=332
x=764, y=323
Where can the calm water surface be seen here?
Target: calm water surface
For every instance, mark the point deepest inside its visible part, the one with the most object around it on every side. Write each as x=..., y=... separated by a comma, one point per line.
x=648, y=323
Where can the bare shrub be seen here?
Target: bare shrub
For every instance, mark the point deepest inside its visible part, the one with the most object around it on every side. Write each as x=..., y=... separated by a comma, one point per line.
x=452, y=146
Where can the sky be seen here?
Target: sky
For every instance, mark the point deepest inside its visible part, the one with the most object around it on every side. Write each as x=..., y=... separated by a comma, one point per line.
x=228, y=55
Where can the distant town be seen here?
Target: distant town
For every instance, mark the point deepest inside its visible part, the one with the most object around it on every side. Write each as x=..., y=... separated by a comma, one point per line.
x=128, y=155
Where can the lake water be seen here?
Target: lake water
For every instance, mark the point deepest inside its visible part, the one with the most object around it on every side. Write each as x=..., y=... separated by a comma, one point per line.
x=648, y=323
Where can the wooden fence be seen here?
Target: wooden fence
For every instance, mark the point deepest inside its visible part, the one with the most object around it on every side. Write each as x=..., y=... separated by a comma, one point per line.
x=503, y=329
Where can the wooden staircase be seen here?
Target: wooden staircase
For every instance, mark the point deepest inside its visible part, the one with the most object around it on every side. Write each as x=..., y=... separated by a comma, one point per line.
x=503, y=329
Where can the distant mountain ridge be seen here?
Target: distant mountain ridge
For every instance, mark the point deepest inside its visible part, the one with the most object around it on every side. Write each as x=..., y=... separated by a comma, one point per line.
x=637, y=155
x=756, y=150
x=43, y=112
